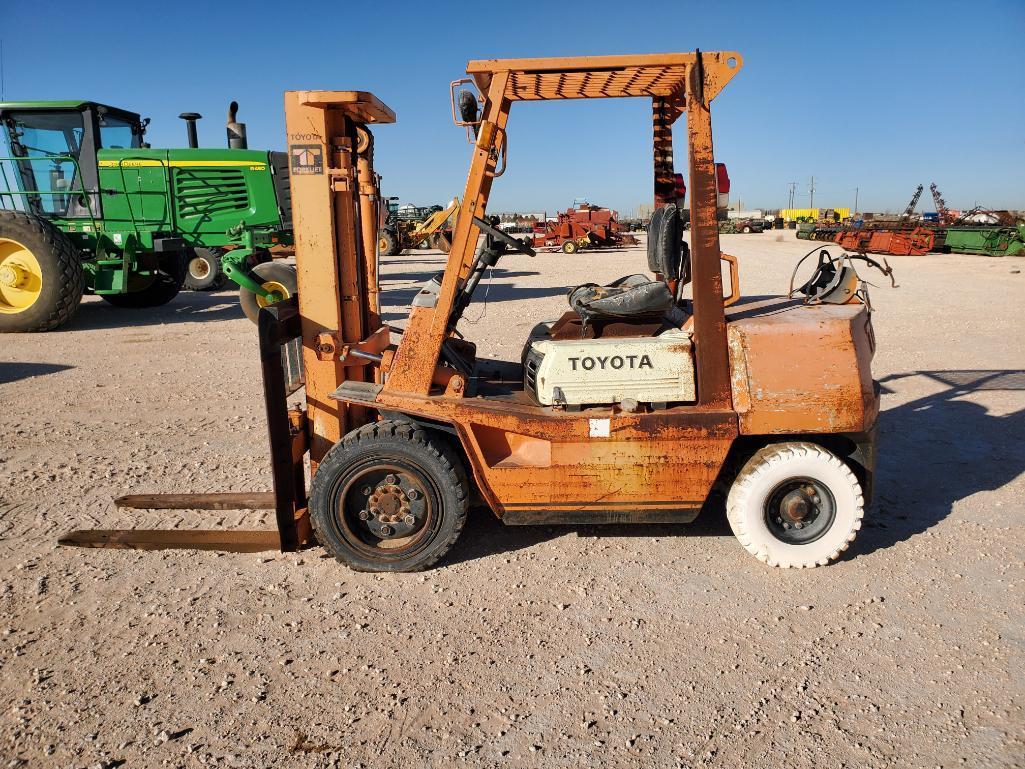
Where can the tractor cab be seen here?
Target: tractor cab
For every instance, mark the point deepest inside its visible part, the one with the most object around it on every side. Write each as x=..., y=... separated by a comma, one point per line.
x=48, y=163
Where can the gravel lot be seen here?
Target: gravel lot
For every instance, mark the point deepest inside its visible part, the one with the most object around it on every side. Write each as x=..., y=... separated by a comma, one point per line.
x=557, y=646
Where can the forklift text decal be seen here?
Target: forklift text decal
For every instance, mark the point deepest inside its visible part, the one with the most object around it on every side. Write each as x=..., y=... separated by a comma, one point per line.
x=306, y=158
x=614, y=362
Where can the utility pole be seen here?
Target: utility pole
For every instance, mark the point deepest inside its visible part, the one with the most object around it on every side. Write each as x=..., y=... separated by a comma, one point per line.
x=793, y=192
x=811, y=193
x=855, y=200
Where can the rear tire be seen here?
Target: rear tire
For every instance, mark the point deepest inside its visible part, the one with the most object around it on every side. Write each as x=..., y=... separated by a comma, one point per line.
x=795, y=505
x=387, y=243
x=570, y=247
x=389, y=498
x=41, y=276
x=203, y=270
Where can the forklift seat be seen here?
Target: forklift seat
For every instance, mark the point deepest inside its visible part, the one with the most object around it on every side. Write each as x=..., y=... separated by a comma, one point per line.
x=638, y=297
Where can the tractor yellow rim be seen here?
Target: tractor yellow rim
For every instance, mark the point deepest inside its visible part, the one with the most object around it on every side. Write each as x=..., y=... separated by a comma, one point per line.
x=277, y=293
x=21, y=277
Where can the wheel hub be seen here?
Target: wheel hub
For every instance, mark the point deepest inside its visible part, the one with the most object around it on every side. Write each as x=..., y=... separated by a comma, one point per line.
x=394, y=506
x=13, y=275
x=199, y=268
x=799, y=511
x=21, y=277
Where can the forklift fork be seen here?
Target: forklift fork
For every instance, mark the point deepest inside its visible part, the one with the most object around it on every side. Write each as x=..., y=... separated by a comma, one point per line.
x=281, y=359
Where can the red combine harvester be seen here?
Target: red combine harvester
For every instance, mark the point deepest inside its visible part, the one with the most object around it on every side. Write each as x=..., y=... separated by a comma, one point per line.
x=585, y=226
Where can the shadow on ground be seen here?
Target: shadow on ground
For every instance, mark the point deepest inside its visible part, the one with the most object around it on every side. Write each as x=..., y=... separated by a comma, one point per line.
x=187, y=307
x=937, y=450
x=12, y=372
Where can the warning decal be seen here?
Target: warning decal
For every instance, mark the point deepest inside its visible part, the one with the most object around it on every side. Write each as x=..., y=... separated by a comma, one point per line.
x=306, y=158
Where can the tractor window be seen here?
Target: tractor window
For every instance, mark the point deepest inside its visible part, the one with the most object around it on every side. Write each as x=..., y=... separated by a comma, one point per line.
x=50, y=142
x=116, y=133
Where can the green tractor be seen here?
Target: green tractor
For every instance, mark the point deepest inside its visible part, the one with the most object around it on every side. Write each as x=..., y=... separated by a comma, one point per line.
x=87, y=206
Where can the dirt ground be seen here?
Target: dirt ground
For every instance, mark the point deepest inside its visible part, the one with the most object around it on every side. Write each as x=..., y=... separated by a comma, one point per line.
x=654, y=646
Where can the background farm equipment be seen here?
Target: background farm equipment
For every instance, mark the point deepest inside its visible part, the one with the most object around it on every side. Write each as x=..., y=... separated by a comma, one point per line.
x=86, y=204
x=987, y=241
x=416, y=227
x=584, y=226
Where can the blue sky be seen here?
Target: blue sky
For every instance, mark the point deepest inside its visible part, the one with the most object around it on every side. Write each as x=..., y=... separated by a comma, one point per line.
x=880, y=96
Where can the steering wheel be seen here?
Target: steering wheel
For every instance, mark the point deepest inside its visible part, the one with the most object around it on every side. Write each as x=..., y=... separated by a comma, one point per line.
x=509, y=240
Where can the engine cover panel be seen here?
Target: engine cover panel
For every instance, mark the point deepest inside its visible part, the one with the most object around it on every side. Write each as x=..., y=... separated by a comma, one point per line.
x=590, y=372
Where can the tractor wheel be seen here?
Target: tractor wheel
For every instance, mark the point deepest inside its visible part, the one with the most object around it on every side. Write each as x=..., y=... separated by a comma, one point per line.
x=795, y=505
x=160, y=289
x=41, y=276
x=747, y=230
x=570, y=247
x=203, y=270
x=387, y=243
x=275, y=277
x=388, y=497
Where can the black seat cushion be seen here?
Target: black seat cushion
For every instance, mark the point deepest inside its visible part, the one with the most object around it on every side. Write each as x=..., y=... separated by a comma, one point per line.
x=638, y=296
x=635, y=296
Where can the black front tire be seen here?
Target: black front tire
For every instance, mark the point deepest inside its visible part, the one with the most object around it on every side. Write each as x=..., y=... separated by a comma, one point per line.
x=396, y=457
x=63, y=279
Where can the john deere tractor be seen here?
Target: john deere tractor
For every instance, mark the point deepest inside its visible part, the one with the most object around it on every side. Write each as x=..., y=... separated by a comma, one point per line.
x=86, y=205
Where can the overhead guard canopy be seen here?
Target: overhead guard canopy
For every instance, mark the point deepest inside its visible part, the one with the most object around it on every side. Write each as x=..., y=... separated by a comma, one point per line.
x=662, y=75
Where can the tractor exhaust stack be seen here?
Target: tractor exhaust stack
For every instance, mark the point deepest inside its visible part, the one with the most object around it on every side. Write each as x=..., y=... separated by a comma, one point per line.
x=190, y=119
x=236, y=131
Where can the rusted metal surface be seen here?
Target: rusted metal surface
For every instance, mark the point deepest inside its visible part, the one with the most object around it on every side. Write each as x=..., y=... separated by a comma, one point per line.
x=603, y=77
x=287, y=429
x=229, y=541
x=527, y=457
x=369, y=216
x=802, y=369
x=252, y=500
x=664, y=112
x=713, y=368
x=332, y=258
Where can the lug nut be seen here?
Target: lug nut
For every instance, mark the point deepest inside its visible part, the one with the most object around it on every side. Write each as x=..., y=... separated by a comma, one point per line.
x=366, y=491
x=816, y=499
x=413, y=494
x=364, y=515
x=799, y=525
x=409, y=520
x=386, y=531
x=390, y=479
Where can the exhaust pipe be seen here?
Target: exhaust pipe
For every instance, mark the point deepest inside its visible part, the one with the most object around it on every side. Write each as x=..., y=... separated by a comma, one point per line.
x=236, y=131
x=190, y=119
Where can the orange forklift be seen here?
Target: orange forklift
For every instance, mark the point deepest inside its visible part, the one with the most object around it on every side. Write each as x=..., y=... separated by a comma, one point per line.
x=631, y=407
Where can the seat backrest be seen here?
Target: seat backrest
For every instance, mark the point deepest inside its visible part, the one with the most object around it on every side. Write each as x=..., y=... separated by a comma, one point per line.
x=665, y=246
